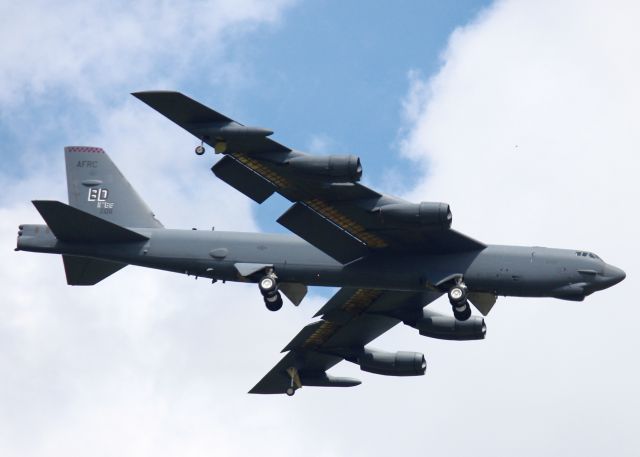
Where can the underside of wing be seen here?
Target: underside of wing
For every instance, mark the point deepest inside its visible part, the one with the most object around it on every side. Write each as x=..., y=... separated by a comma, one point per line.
x=350, y=320
x=331, y=209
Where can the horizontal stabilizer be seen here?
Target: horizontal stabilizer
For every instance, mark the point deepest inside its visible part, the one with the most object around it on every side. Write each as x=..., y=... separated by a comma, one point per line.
x=83, y=271
x=70, y=224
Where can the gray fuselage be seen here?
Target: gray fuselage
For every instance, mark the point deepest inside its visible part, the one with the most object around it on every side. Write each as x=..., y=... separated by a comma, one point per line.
x=500, y=270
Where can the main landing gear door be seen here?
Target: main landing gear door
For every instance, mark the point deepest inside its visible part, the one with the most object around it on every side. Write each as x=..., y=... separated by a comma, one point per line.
x=482, y=301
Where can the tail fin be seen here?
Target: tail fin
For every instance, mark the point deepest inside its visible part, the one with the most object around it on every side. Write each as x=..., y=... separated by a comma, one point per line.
x=97, y=187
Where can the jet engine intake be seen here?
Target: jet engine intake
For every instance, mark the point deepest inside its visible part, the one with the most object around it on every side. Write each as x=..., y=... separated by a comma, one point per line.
x=425, y=214
x=392, y=363
x=436, y=325
x=345, y=168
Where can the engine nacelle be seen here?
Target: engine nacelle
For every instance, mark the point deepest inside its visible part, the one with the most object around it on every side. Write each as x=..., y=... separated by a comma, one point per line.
x=338, y=168
x=425, y=214
x=443, y=327
x=392, y=363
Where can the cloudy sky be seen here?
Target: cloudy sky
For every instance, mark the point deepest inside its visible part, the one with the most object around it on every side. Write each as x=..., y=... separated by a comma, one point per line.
x=523, y=115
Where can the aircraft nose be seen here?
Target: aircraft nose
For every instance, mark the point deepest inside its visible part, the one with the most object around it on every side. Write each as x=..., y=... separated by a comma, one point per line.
x=613, y=275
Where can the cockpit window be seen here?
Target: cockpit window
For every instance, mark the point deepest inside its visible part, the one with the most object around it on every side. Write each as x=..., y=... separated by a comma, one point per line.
x=587, y=254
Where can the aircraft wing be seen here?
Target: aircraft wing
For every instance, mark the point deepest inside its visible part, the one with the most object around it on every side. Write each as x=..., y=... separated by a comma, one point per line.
x=351, y=319
x=331, y=210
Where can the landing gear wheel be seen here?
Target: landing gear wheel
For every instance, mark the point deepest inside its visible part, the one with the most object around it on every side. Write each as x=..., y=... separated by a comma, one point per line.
x=273, y=302
x=462, y=312
x=290, y=391
x=457, y=294
x=200, y=150
x=267, y=285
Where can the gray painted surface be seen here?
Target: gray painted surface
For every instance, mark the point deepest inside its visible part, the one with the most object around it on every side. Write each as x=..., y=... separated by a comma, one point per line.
x=390, y=257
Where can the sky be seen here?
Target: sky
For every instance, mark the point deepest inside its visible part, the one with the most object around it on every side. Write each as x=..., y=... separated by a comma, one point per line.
x=520, y=114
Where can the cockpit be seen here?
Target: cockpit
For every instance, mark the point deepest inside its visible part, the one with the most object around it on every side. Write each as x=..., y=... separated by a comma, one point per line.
x=587, y=254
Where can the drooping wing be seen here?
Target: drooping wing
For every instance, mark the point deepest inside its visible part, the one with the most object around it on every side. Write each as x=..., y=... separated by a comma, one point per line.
x=351, y=319
x=200, y=120
x=339, y=218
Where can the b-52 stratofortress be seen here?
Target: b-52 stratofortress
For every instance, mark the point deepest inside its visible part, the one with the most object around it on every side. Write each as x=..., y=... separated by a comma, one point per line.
x=390, y=257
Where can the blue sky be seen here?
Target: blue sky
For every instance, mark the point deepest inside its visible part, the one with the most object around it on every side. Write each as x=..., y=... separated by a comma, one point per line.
x=327, y=75
x=338, y=71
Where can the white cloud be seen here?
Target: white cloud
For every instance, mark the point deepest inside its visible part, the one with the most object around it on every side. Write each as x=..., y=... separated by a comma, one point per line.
x=87, y=48
x=136, y=364
x=529, y=131
x=152, y=363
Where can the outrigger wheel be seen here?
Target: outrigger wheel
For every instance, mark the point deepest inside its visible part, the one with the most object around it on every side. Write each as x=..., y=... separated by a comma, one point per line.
x=200, y=149
x=295, y=381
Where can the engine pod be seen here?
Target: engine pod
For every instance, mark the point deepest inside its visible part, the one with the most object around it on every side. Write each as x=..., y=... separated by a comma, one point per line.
x=400, y=363
x=443, y=327
x=424, y=215
x=339, y=168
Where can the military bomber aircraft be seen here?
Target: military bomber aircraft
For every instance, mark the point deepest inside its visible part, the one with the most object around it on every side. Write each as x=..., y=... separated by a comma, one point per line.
x=390, y=257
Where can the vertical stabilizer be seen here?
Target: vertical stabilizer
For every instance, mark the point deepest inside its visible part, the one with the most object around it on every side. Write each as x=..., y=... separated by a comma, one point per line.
x=97, y=187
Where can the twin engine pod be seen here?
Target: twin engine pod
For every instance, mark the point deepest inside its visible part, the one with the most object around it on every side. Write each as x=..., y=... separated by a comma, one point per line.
x=392, y=363
x=436, y=325
x=423, y=215
x=345, y=168
x=430, y=324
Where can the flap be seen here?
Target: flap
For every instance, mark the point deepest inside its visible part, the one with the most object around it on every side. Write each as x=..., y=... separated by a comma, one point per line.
x=303, y=335
x=243, y=179
x=322, y=233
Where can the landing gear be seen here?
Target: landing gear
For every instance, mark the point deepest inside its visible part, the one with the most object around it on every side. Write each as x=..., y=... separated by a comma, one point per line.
x=273, y=302
x=295, y=381
x=268, y=284
x=269, y=289
x=200, y=148
x=458, y=299
x=458, y=294
x=462, y=312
